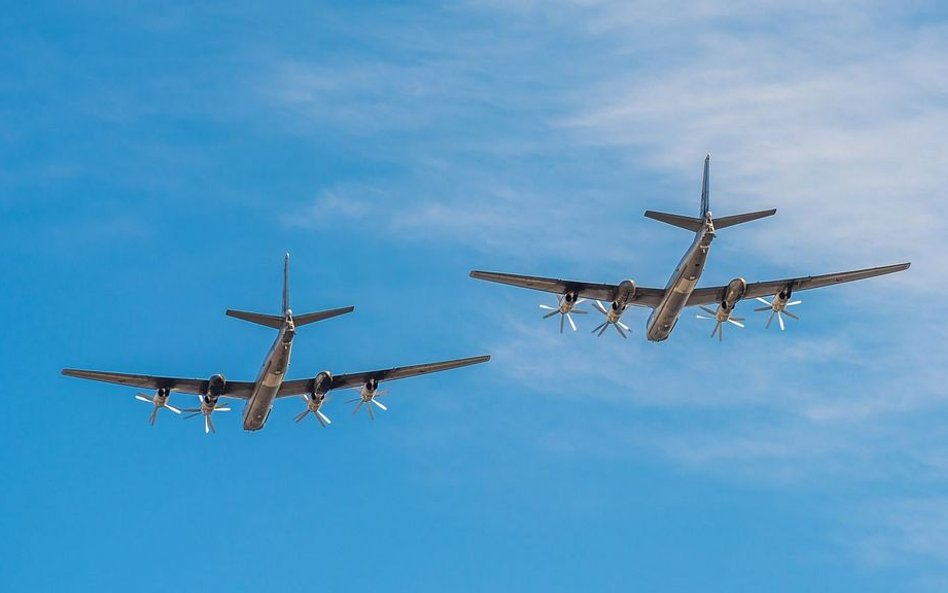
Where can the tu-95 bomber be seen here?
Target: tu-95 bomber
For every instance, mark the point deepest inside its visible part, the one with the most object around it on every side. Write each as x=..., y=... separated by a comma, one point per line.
x=270, y=385
x=681, y=290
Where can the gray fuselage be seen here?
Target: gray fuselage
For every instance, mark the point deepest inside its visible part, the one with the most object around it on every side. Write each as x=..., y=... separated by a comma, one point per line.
x=270, y=378
x=681, y=284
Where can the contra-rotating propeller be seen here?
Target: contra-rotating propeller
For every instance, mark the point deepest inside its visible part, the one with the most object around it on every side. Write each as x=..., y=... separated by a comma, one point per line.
x=565, y=306
x=778, y=306
x=720, y=316
x=313, y=405
x=367, y=395
x=159, y=400
x=208, y=407
x=612, y=318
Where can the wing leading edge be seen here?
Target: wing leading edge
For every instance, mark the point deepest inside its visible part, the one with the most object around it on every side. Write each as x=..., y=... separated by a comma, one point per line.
x=715, y=294
x=647, y=297
x=304, y=386
x=232, y=389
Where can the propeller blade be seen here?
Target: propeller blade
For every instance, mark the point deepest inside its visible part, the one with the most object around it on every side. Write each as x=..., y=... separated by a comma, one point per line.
x=143, y=398
x=548, y=315
x=222, y=409
x=549, y=308
x=770, y=319
x=600, y=326
x=323, y=419
x=562, y=318
x=735, y=322
x=193, y=413
x=767, y=308
x=578, y=301
x=378, y=403
x=153, y=416
x=358, y=405
x=598, y=305
x=579, y=311
x=791, y=315
x=621, y=333
x=764, y=301
x=572, y=323
x=371, y=413
x=299, y=417
x=705, y=317
x=790, y=304
x=207, y=424
x=349, y=401
x=173, y=409
x=780, y=320
x=604, y=327
x=707, y=310
x=623, y=326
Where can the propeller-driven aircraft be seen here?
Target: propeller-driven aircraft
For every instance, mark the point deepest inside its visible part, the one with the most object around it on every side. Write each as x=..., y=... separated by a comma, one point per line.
x=681, y=290
x=270, y=384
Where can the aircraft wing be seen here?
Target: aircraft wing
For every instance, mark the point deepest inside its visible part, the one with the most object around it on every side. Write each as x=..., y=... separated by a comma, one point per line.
x=233, y=389
x=647, y=297
x=715, y=294
x=302, y=386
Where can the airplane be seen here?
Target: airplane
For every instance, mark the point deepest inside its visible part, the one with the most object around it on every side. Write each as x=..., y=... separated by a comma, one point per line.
x=681, y=290
x=270, y=384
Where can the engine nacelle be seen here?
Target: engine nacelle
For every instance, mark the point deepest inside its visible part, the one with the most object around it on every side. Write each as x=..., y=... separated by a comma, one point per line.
x=733, y=293
x=624, y=294
x=369, y=388
x=215, y=388
x=322, y=383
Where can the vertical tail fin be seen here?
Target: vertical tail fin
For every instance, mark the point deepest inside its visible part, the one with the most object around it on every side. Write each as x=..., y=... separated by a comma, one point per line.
x=286, y=283
x=705, y=197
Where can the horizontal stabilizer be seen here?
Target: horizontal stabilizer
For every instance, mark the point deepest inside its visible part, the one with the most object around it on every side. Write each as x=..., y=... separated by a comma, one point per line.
x=274, y=321
x=685, y=222
x=320, y=315
x=726, y=221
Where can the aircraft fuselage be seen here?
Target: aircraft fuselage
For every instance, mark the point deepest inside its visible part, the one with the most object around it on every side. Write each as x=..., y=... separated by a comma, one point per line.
x=681, y=284
x=270, y=379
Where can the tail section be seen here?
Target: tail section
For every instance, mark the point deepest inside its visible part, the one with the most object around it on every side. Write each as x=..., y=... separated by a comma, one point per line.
x=696, y=224
x=277, y=321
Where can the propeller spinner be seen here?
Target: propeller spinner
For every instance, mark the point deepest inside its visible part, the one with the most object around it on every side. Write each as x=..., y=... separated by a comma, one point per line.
x=565, y=307
x=313, y=404
x=778, y=307
x=209, y=405
x=159, y=400
x=367, y=395
x=613, y=315
x=720, y=316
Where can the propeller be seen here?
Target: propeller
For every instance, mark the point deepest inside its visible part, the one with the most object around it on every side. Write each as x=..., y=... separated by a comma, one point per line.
x=565, y=307
x=157, y=402
x=206, y=410
x=720, y=319
x=776, y=307
x=612, y=318
x=313, y=405
x=368, y=401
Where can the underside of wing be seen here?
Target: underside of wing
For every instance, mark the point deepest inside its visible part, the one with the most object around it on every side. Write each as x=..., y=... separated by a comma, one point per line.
x=302, y=386
x=648, y=297
x=233, y=389
x=715, y=294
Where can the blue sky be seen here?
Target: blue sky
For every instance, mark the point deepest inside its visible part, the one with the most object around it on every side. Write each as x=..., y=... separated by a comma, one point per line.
x=158, y=160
